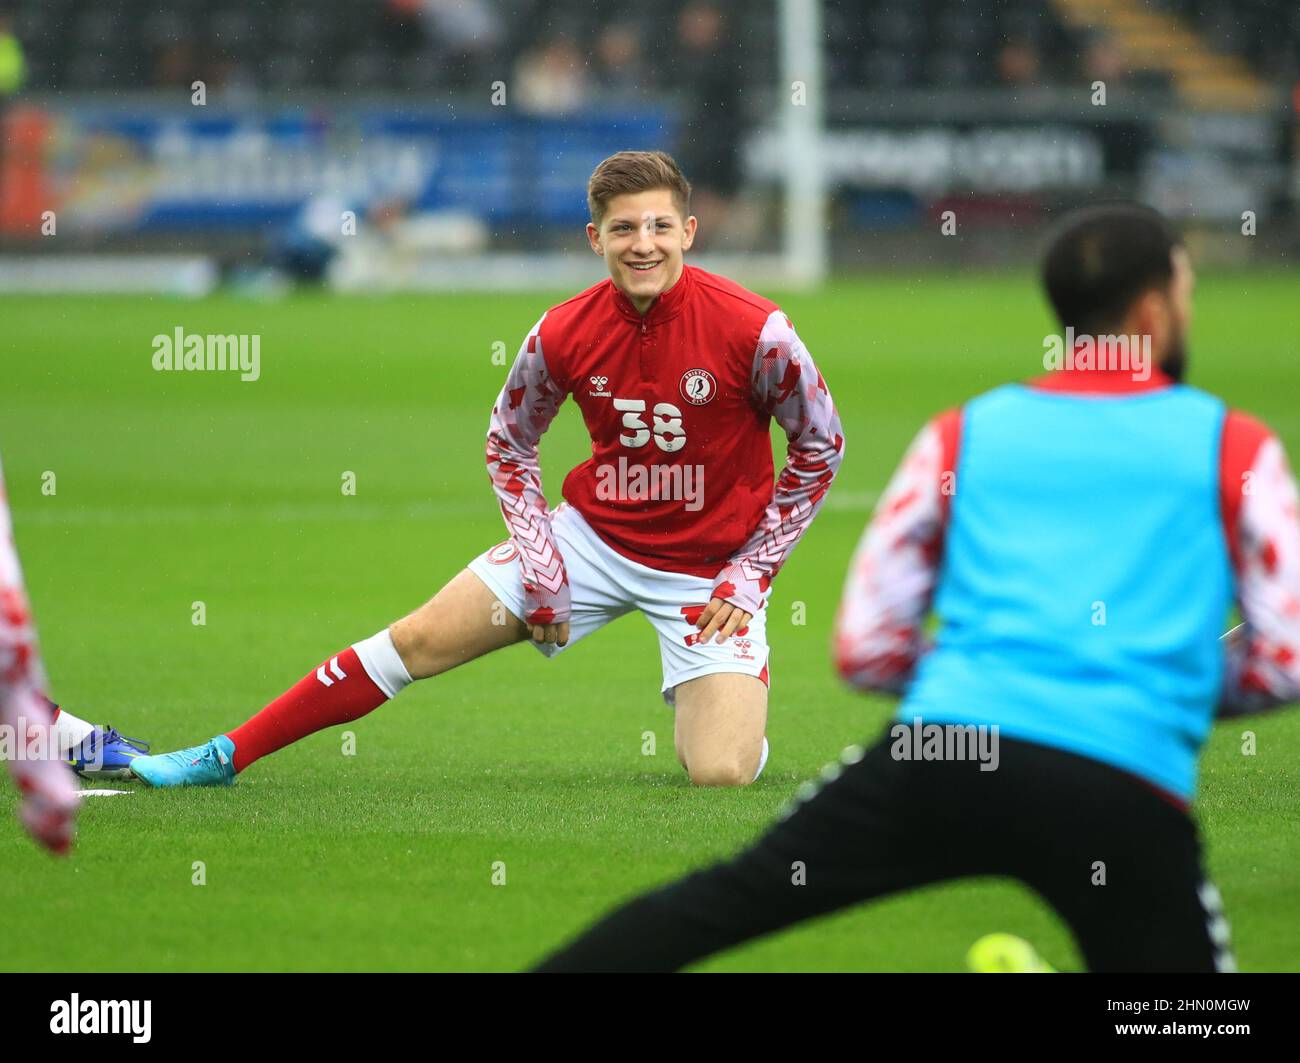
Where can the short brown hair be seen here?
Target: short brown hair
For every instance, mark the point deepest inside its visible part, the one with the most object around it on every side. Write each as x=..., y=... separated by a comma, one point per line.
x=636, y=171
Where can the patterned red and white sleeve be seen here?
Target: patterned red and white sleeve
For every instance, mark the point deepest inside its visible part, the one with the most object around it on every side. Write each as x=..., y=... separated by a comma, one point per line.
x=878, y=630
x=1263, y=655
x=788, y=387
x=49, y=793
x=523, y=411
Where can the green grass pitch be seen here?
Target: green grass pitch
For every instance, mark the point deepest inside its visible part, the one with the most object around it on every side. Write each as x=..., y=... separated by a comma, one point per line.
x=179, y=488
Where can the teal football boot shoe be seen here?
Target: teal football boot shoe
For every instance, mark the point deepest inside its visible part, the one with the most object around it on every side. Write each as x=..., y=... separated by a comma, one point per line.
x=211, y=764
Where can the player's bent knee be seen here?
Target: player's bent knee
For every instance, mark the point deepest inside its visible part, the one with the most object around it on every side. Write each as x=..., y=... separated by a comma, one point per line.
x=721, y=773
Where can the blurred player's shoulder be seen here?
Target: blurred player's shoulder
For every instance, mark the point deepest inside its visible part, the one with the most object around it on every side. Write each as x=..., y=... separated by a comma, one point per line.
x=1242, y=435
x=1242, y=439
x=1244, y=430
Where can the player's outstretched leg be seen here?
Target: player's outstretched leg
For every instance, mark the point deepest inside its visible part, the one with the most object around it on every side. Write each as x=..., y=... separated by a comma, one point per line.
x=857, y=834
x=458, y=624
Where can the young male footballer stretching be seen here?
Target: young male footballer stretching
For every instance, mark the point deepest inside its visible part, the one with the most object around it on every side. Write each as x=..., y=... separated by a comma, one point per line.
x=677, y=374
x=1082, y=535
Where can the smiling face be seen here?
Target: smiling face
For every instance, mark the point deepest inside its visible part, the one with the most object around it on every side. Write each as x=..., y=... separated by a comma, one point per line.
x=642, y=236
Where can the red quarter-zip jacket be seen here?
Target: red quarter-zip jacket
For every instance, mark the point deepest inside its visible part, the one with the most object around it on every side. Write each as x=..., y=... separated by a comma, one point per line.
x=678, y=404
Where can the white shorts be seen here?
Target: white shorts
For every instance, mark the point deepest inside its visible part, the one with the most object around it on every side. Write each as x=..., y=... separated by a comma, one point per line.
x=604, y=585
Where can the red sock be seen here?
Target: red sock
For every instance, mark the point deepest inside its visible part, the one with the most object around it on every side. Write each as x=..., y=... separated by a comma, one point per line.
x=337, y=692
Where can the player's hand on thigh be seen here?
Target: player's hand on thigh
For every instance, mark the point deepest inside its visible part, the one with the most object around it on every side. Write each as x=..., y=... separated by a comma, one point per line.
x=721, y=618
x=556, y=633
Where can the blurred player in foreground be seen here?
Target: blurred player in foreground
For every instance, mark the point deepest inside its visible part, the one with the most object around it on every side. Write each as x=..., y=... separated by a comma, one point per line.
x=92, y=752
x=49, y=792
x=1082, y=537
x=678, y=374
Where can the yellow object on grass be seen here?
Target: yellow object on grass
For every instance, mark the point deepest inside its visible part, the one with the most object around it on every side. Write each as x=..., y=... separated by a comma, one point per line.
x=1006, y=954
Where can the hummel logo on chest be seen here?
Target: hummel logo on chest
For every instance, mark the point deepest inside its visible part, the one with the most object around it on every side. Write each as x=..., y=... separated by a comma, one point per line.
x=599, y=383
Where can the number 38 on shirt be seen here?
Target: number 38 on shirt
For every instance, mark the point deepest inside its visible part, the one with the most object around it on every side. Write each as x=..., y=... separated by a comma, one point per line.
x=668, y=433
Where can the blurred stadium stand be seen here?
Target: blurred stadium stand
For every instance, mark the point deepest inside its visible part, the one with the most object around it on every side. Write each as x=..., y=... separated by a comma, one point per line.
x=929, y=105
x=400, y=45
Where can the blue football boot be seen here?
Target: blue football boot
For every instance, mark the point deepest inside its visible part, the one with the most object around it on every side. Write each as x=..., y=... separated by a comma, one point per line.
x=211, y=764
x=105, y=754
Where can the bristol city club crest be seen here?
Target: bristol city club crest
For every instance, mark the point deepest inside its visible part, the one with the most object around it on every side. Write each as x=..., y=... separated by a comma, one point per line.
x=502, y=554
x=698, y=386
